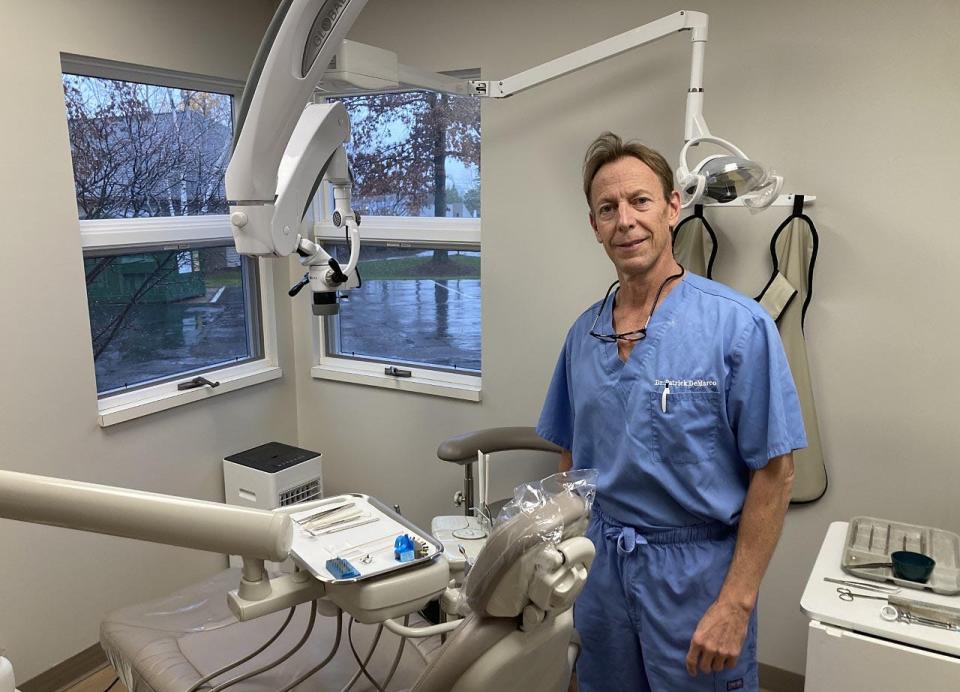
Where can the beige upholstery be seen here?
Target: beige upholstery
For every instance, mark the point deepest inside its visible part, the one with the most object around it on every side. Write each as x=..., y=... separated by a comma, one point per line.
x=463, y=648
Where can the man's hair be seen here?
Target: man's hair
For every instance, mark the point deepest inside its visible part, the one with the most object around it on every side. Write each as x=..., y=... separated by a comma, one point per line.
x=608, y=148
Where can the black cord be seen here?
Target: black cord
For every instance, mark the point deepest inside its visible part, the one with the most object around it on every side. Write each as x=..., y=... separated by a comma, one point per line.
x=362, y=670
x=115, y=681
x=274, y=664
x=202, y=682
x=639, y=334
x=333, y=651
x=396, y=660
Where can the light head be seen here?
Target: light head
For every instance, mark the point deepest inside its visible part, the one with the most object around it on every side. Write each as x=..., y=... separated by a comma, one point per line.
x=725, y=177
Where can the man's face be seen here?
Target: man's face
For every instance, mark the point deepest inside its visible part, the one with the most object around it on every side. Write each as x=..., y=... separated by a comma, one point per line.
x=630, y=217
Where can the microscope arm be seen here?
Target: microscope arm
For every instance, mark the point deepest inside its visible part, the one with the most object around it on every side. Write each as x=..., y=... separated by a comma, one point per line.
x=284, y=145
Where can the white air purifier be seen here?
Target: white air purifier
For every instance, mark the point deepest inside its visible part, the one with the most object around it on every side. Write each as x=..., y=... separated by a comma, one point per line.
x=270, y=476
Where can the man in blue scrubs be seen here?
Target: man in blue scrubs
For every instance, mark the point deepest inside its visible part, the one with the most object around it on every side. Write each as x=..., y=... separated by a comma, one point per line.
x=676, y=389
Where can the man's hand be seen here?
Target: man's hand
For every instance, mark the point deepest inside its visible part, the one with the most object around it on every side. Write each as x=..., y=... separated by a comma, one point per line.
x=717, y=642
x=719, y=636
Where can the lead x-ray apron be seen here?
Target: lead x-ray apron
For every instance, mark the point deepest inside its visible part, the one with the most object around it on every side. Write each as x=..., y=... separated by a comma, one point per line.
x=786, y=296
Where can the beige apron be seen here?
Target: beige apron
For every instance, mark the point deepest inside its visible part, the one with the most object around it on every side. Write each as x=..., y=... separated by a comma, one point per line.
x=786, y=296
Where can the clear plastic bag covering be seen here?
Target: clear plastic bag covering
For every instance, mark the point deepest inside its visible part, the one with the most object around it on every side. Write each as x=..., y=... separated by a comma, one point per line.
x=529, y=497
x=167, y=644
x=527, y=530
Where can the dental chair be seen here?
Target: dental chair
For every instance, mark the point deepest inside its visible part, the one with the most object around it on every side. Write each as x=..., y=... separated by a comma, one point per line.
x=516, y=631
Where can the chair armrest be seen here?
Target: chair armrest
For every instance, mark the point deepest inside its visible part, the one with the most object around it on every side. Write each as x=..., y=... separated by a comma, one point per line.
x=463, y=449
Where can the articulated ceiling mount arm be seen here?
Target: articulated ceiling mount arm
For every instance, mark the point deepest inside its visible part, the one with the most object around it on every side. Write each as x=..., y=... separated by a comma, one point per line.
x=284, y=145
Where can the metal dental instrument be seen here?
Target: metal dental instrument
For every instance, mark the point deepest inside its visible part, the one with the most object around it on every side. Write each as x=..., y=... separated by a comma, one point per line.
x=893, y=614
x=332, y=519
x=327, y=511
x=357, y=546
x=318, y=527
x=927, y=622
x=335, y=529
x=881, y=588
x=848, y=595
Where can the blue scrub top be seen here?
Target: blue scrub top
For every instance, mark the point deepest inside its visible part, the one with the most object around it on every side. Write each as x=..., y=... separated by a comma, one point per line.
x=731, y=407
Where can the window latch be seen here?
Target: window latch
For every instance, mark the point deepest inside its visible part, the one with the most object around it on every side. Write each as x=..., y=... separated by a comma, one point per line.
x=394, y=371
x=196, y=382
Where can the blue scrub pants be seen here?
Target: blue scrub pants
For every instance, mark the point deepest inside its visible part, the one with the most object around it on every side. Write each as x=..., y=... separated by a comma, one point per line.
x=643, y=599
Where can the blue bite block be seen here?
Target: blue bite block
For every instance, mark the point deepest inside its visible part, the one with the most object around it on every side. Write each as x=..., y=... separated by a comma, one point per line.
x=403, y=548
x=342, y=569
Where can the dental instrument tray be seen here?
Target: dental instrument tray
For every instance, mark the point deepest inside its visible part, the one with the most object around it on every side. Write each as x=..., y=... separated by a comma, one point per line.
x=870, y=541
x=358, y=531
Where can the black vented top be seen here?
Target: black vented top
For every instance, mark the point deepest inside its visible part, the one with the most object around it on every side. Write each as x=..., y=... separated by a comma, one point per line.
x=272, y=457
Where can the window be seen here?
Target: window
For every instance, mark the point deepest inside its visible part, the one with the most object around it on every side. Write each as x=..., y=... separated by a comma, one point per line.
x=163, y=314
x=169, y=297
x=415, y=157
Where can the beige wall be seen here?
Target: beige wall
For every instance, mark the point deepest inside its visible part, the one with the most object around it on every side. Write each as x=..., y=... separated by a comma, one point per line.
x=853, y=102
x=56, y=584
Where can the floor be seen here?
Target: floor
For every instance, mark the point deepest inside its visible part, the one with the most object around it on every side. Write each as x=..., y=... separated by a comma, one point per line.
x=98, y=682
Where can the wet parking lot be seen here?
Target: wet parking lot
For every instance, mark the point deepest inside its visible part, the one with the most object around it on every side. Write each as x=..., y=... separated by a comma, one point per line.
x=415, y=321
x=434, y=322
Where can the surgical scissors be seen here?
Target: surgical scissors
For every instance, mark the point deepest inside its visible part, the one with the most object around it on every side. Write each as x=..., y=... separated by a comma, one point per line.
x=848, y=595
x=882, y=588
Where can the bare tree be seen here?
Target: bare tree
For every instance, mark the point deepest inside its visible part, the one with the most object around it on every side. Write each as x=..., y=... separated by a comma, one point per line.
x=142, y=151
x=401, y=144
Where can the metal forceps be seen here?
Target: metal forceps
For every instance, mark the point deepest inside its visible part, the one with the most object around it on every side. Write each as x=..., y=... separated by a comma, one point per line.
x=848, y=595
x=326, y=513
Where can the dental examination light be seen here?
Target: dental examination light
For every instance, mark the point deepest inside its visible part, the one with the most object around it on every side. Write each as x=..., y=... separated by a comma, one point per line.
x=719, y=178
x=724, y=179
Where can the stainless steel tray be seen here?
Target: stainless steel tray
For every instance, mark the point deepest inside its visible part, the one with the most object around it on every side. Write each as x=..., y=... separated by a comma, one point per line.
x=873, y=540
x=311, y=552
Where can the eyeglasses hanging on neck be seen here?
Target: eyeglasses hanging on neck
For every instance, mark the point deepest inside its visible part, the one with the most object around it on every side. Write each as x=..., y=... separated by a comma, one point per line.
x=636, y=334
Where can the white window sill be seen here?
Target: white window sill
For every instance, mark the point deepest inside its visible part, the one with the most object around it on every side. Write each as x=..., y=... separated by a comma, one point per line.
x=450, y=385
x=143, y=402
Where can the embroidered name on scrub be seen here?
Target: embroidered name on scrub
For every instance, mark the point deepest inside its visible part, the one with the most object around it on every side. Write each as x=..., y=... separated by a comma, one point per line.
x=691, y=385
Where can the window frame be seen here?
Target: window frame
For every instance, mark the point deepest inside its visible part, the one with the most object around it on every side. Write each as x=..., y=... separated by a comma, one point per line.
x=449, y=232
x=130, y=235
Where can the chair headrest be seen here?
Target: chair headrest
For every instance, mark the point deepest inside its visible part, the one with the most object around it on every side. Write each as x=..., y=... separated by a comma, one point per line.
x=496, y=569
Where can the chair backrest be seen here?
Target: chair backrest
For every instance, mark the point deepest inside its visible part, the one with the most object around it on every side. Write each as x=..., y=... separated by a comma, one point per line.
x=497, y=585
x=512, y=640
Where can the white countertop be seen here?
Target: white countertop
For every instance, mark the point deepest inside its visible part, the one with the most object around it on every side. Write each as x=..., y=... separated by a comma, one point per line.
x=820, y=601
